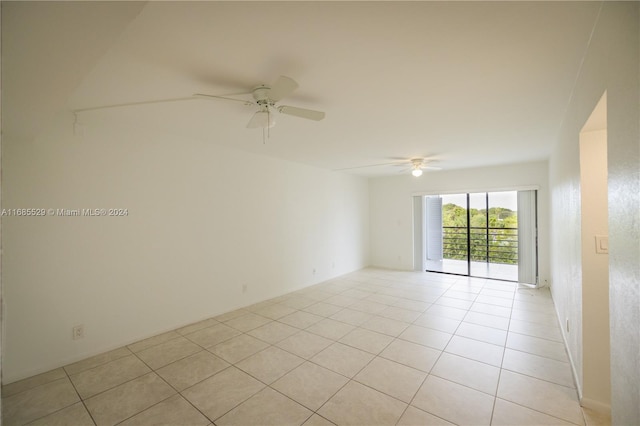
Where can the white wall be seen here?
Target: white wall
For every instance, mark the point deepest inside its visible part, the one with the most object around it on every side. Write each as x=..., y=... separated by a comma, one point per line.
x=392, y=208
x=1, y=301
x=203, y=221
x=611, y=65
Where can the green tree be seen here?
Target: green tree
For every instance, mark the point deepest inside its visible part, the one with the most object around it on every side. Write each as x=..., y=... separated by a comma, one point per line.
x=502, y=239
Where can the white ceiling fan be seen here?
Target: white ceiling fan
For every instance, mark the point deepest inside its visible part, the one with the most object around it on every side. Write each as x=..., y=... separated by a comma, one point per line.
x=266, y=98
x=417, y=165
x=420, y=164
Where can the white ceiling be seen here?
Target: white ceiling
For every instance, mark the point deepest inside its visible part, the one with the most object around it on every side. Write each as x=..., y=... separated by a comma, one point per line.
x=470, y=83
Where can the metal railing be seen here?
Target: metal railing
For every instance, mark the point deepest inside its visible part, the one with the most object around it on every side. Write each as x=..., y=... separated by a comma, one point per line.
x=484, y=244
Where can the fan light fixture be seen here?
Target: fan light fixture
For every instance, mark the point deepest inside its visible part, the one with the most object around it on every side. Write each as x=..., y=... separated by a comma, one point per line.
x=265, y=119
x=416, y=166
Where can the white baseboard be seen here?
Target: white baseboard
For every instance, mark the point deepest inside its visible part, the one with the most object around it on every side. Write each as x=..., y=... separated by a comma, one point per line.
x=566, y=349
x=596, y=406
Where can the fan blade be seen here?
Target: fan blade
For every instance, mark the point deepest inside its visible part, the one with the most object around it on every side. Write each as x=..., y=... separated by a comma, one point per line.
x=431, y=168
x=283, y=87
x=302, y=112
x=363, y=167
x=128, y=104
x=202, y=95
x=255, y=121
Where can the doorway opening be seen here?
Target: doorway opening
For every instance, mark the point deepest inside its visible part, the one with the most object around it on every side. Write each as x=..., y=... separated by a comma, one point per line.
x=595, y=380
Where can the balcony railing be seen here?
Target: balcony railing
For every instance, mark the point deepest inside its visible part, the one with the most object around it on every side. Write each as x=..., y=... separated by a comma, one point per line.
x=491, y=245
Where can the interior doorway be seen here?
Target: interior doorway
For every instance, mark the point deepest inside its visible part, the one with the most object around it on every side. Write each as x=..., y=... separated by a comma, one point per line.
x=596, y=378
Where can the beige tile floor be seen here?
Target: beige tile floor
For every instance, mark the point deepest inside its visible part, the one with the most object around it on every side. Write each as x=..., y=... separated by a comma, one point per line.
x=374, y=347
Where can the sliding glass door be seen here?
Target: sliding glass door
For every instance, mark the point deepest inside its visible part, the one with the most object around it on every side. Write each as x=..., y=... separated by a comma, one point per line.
x=494, y=231
x=478, y=234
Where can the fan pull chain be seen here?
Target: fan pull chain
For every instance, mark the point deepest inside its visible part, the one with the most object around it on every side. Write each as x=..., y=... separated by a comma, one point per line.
x=77, y=126
x=268, y=128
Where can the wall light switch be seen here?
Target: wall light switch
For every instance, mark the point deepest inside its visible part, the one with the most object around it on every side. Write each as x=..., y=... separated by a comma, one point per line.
x=602, y=244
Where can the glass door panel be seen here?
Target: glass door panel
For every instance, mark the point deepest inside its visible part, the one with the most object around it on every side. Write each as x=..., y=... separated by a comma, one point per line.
x=455, y=248
x=496, y=254
x=478, y=238
x=473, y=234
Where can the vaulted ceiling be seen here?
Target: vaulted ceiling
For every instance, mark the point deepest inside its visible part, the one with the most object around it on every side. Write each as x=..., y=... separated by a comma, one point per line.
x=468, y=83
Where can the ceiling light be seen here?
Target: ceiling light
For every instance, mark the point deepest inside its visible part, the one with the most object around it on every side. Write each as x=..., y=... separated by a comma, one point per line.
x=416, y=172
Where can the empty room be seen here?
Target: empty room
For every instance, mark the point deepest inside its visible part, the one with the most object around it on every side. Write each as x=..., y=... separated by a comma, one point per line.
x=320, y=213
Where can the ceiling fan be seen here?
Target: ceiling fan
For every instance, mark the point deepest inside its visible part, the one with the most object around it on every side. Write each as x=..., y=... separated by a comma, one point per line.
x=420, y=164
x=417, y=165
x=266, y=98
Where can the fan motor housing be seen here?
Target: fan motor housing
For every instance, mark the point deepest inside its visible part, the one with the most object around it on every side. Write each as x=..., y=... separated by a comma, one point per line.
x=261, y=93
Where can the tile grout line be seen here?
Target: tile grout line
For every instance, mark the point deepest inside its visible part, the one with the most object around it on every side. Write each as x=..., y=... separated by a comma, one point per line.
x=80, y=397
x=429, y=374
x=350, y=379
x=504, y=350
x=537, y=411
x=450, y=287
x=269, y=385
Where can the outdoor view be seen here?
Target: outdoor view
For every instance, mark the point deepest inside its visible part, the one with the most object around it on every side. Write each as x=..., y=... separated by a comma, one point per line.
x=493, y=228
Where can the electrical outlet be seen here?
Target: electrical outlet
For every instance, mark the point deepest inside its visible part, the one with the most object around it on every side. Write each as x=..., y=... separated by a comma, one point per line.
x=314, y=271
x=244, y=288
x=77, y=332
